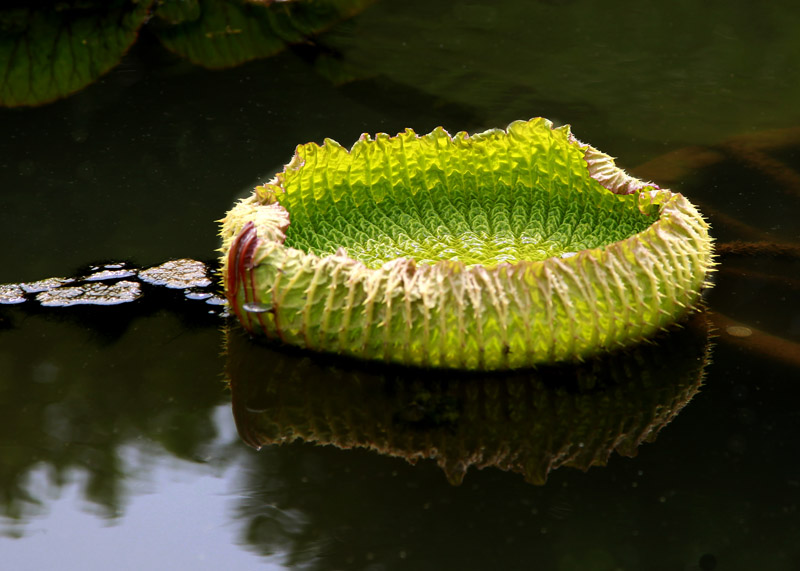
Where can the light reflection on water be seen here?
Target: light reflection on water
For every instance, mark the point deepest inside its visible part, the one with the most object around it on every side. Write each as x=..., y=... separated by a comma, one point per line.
x=176, y=518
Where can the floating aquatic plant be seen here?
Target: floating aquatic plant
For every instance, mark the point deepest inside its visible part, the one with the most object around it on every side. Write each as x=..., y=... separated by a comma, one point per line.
x=501, y=250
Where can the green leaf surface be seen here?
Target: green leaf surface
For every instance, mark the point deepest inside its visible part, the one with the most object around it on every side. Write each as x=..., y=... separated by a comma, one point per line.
x=530, y=422
x=225, y=33
x=486, y=199
x=46, y=54
x=505, y=249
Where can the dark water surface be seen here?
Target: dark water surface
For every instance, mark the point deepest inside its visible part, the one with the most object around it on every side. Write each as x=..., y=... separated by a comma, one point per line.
x=118, y=444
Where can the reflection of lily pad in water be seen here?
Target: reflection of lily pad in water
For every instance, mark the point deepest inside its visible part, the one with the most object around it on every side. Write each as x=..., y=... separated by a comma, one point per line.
x=529, y=423
x=681, y=71
x=220, y=33
x=50, y=53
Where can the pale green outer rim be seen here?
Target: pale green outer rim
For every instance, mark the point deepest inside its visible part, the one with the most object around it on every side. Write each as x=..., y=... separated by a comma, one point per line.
x=454, y=316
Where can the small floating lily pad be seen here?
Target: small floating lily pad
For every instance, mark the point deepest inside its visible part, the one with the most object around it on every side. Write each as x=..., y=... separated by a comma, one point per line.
x=11, y=294
x=91, y=294
x=45, y=284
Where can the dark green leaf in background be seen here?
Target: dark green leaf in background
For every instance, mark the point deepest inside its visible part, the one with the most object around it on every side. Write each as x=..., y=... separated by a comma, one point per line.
x=219, y=34
x=50, y=52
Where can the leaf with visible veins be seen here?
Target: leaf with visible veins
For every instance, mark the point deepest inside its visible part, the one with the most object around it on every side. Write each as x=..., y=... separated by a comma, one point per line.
x=49, y=53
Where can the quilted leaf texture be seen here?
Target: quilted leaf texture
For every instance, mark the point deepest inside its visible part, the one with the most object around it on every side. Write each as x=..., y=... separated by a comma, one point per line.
x=501, y=250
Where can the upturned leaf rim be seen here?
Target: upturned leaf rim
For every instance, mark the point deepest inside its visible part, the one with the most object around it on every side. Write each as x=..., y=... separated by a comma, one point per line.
x=513, y=315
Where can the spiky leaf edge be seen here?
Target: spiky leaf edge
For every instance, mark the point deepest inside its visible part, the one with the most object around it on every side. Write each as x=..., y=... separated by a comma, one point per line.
x=536, y=312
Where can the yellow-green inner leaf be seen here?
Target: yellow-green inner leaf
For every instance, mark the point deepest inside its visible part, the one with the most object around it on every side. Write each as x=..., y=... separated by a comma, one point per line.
x=480, y=204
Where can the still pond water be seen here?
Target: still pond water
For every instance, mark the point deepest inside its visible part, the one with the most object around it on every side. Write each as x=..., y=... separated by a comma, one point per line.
x=119, y=444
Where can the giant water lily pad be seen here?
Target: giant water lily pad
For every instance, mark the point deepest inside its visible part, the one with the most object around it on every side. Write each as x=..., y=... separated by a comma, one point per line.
x=505, y=249
x=224, y=33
